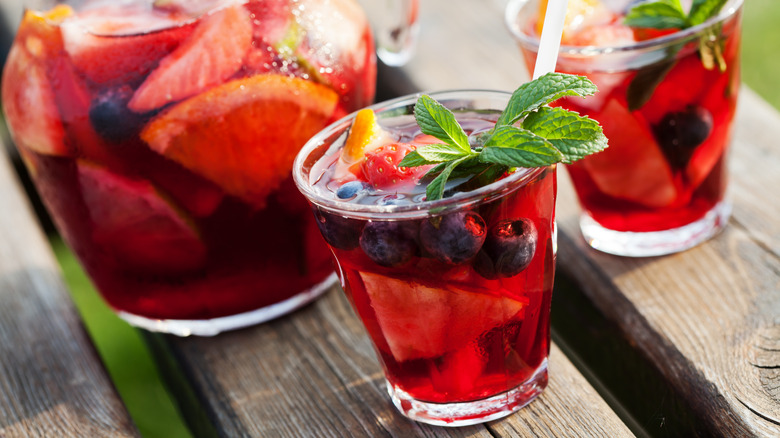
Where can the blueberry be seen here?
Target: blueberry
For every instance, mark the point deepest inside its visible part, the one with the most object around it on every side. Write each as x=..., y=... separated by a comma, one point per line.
x=340, y=232
x=509, y=247
x=680, y=132
x=455, y=237
x=389, y=243
x=111, y=118
x=351, y=189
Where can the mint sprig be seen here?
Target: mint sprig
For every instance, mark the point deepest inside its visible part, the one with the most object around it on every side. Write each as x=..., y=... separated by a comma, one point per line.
x=669, y=14
x=527, y=134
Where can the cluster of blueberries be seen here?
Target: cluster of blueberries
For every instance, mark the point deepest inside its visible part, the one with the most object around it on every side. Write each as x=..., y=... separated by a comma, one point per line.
x=502, y=250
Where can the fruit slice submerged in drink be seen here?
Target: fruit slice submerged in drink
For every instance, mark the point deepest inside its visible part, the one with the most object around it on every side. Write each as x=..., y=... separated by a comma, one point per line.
x=420, y=321
x=213, y=53
x=243, y=135
x=121, y=43
x=632, y=167
x=136, y=224
x=29, y=100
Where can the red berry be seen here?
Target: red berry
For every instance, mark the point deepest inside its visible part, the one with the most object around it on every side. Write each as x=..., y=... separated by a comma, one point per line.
x=380, y=167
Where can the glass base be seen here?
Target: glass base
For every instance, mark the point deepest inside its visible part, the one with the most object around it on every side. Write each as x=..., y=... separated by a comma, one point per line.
x=655, y=243
x=211, y=327
x=468, y=413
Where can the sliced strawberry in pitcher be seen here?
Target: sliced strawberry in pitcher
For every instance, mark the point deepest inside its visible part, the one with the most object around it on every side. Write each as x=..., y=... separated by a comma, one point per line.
x=120, y=44
x=136, y=224
x=30, y=105
x=633, y=167
x=420, y=321
x=243, y=135
x=213, y=52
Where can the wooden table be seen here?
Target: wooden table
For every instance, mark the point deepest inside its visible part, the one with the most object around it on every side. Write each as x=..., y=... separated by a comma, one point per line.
x=682, y=345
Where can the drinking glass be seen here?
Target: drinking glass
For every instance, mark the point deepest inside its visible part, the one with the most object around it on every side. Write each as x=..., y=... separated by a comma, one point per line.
x=160, y=135
x=667, y=106
x=462, y=339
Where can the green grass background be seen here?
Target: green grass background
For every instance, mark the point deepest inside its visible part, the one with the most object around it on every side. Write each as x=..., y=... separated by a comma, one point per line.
x=127, y=358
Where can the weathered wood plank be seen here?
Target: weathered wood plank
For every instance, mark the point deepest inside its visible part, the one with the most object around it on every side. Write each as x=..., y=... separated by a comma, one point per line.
x=52, y=382
x=314, y=373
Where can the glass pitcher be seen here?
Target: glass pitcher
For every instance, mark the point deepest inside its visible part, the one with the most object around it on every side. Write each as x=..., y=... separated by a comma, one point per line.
x=160, y=136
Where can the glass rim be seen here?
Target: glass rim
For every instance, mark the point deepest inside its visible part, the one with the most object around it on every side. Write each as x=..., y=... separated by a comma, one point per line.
x=513, y=8
x=414, y=210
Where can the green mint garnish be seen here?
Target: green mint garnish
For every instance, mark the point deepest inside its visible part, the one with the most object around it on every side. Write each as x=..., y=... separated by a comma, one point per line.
x=669, y=14
x=527, y=134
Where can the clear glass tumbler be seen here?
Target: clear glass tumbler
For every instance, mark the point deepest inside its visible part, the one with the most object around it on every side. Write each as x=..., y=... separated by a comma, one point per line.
x=462, y=331
x=667, y=106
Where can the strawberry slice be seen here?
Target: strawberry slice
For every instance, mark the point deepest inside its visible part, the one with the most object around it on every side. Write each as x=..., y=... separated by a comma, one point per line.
x=119, y=44
x=420, y=321
x=136, y=224
x=633, y=167
x=29, y=101
x=243, y=135
x=214, y=52
x=380, y=167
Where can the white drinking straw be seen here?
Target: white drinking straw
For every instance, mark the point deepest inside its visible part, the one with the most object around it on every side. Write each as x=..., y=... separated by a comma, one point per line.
x=550, y=40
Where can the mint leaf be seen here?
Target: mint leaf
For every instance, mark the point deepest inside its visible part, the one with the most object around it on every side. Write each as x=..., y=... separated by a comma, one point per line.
x=546, y=89
x=516, y=147
x=669, y=14
x=435, y=189
x=437, y=153
x=436, y=120
x=703, y=10
x=661, y=14
x=574, y=136
x=413, y=159
x=642, y=87
x=547, y=136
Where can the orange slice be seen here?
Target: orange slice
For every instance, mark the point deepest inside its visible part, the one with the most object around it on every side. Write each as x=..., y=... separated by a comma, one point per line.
x=243, y=135
x=364, y=135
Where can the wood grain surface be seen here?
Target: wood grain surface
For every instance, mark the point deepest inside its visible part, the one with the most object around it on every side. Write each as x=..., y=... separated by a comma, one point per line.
x=52, y=382
x=314, y=374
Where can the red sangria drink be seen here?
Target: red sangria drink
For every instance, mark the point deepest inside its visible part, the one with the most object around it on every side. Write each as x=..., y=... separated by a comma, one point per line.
x=161, y=134
x=667, y=98
x=446, y=253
